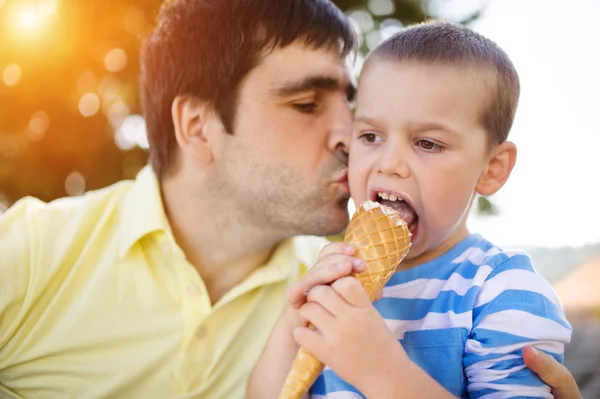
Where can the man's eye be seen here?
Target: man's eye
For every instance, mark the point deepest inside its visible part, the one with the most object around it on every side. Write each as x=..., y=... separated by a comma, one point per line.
x=430, y=145
x=306, y=108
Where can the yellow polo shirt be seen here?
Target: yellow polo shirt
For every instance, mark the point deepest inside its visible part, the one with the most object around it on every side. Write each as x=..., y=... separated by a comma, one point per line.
x=98, y=301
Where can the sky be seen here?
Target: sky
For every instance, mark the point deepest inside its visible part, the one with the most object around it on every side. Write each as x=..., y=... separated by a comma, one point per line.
x=552, y=198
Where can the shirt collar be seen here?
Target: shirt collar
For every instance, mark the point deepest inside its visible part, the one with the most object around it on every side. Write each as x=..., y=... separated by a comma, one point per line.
x=142, y=211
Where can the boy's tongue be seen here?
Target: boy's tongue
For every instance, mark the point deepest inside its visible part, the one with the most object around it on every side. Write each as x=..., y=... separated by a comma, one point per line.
x=405, y=211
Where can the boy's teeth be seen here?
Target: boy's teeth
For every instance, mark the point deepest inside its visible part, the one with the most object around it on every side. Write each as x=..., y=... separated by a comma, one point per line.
x=388, y=196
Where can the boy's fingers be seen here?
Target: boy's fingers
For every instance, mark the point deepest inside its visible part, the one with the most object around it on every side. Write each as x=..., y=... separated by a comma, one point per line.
x=311, y=340
x=337, y=248
x=552, y=373
x=332, y=268
x=317, y=315
x=328, y=298
x=352, y=291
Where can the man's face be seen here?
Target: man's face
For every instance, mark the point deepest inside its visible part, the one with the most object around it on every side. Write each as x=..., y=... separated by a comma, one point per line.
x=418, y=146
x=285, y=165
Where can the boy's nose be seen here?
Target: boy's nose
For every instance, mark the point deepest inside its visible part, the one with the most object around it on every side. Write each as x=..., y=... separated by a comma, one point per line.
x=394, y=162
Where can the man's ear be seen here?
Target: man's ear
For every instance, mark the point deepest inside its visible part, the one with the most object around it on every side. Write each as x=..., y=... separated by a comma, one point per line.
x=500, y=164
x=191, y=121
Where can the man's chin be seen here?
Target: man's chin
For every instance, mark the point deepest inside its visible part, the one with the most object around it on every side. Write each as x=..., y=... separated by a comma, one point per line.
x=335, y=222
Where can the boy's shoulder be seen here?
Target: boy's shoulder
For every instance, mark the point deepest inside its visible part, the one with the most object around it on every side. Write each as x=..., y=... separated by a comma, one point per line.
x=494, y=270
x=482, y=254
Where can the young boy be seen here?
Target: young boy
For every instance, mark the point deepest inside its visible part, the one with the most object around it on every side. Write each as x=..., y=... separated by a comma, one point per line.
x=434, y=108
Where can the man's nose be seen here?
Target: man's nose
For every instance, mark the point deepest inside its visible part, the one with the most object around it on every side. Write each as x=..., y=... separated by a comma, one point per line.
x=341, y=132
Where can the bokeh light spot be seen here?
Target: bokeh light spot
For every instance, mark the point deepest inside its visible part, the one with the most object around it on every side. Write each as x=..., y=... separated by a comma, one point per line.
x=11, y=75
x=75, y=183
x=131, y=133
x=117, y=113
x=363, y=19
x=115, y=60
x=382, y=7
x=38, y=125
x=89, y=104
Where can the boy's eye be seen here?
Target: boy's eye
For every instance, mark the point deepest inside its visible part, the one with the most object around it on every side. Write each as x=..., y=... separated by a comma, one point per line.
x=429, y=145
x=369, y=137
x=306, y=108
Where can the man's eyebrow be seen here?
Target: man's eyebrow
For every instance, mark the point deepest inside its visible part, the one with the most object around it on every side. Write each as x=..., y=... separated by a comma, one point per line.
x=314, y=83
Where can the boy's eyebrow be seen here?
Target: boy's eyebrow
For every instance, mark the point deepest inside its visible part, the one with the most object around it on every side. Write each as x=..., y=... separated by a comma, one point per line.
x=424, y=127
x=417, y=127
x=316, y=82
x=368, y=121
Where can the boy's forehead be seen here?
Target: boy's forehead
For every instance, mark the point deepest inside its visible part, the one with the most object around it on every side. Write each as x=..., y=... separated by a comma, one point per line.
x=420, y=94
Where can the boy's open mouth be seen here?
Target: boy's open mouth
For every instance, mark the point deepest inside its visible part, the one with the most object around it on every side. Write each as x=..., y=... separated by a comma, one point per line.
x=405, y=210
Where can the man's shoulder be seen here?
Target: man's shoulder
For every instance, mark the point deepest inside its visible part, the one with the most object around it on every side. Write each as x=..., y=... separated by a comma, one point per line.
x=62, y=212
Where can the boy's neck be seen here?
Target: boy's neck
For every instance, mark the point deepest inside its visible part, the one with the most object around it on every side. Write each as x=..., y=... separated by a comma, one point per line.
x=456, y=237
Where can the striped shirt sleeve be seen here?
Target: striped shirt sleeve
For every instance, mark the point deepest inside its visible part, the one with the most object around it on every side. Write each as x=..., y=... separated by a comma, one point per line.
x=515, y=307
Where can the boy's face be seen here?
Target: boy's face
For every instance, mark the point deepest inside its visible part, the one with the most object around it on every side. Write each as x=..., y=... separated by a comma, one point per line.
x=418, y=147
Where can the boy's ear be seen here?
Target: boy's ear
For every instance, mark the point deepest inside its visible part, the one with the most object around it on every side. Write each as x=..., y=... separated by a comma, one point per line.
x=191, y=121
x=500, y=164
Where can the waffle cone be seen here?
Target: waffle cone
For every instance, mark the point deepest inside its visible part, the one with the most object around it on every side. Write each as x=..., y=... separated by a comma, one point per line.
x=382, y=240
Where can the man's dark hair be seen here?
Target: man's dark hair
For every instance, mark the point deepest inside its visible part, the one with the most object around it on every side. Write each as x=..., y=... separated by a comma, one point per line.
x=205, y=48
x=438, y=42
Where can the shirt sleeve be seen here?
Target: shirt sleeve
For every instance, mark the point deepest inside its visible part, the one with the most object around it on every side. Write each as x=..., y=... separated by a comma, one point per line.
x=15, y=260
x=514, y=308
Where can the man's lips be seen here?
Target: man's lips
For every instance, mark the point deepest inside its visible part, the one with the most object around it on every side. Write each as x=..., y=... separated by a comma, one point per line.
x=343, y=179
x=343, y=176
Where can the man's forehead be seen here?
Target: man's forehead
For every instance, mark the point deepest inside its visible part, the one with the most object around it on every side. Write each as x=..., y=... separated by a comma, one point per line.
x=296, y=62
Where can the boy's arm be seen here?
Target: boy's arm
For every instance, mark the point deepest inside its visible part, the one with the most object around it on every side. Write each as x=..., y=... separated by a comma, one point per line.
x=266, y=380
x=515, y=308
x=352, y=338
x=275, y=362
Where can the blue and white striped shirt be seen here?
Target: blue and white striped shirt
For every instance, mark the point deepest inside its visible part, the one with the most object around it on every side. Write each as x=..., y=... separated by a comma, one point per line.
x=465, y=317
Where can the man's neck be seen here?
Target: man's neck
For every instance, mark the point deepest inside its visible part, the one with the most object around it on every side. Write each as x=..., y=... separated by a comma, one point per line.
x=214, y=238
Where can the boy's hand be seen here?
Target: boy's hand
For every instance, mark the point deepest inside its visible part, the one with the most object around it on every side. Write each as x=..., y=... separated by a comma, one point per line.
x=335, y=261
x=350, y=335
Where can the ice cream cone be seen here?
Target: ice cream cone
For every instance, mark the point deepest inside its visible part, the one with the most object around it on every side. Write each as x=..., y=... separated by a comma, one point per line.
x=382, y=240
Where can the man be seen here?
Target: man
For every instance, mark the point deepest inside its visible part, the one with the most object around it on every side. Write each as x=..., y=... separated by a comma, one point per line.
x=169, y=286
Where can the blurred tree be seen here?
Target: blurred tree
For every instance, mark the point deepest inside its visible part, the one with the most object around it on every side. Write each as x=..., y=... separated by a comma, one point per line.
x=69, y=108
